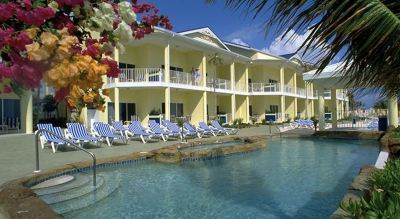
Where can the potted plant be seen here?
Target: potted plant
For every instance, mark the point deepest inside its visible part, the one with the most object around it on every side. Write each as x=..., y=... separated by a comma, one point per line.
x=315, y=122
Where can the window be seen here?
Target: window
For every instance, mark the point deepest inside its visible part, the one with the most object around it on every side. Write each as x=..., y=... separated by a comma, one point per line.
x=125, y=65
x=10, y=112
x=273, y=108
x=272, y=81
x=126, y=111
x=173, y=68
x=176, y=109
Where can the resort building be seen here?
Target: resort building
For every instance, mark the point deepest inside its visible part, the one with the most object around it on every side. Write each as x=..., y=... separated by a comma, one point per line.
x=195, y=76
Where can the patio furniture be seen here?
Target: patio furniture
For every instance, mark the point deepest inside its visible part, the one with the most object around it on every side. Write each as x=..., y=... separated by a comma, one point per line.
x=227, y=131
x=46, y=137
x=77, y=132
x=104, y=131
x=157, y=129
x=175, y=129
x=136, y=129
x=205, y=127
x=119, y=127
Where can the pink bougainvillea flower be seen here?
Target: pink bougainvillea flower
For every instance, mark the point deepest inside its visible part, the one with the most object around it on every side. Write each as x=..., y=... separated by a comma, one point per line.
x=7, y=71
x=35, y=17
x=62, y=21
x=20, y=41
x=5, y=36
x=113, y=70
x=62, y=3
x=7, y=89
x=61, y=94
x=28, y=4
x=6, y=11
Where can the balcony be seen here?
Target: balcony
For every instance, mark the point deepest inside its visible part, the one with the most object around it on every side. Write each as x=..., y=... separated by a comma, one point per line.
x=184, y=78
x=264, y=87
x=301, y=92
x=288, y=89
x=130, y=75
x=218, y=83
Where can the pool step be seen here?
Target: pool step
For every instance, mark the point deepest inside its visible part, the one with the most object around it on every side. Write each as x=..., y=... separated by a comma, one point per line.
x=76, y=195
x=72, y=193
x=79, y=180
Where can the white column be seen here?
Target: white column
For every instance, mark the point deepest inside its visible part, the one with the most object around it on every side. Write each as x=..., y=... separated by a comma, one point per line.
x=233, y=79
x=204, y=69
x=282, y=78
x=167, y=101
x=233, y=107
x=233, y=96
x=321, y=109
x=116, y=104
x=27, y=112
x=282, y=88
x=246, y=78
x=334, y=109
x=166, y=63
x=283, y=109
x=306, y=100
x=205, y=106
x=393, y=111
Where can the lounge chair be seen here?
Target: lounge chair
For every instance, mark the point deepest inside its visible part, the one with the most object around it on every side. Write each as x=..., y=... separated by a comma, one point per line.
x=119, y=127
x=78, y=133
x=200, y=132
x=175, y=129
x=46, y=137
x=227, y=131
x=212, y=130
x=104, y=131
x=157, y=129
x=136, y=129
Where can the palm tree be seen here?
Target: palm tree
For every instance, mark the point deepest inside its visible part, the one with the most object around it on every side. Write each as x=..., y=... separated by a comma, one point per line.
x=367, y=31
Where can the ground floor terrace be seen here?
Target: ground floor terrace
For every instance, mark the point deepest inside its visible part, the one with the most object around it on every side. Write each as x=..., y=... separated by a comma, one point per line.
x=195, y=106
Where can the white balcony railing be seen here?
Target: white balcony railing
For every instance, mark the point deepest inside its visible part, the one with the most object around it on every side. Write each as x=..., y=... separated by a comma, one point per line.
x=288, y=89
x=327, y=93
x=240, y=87
x=178, y=77
x=140, y=75
x=264, y=87
x=301, y=91
x=219, y=83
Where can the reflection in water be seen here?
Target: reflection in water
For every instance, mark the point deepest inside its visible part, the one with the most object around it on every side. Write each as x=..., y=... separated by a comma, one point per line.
x=291, y=178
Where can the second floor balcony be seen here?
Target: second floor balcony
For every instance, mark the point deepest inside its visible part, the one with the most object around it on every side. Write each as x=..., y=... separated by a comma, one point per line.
x=264, y=87
x=140, y=75
x=218, y=83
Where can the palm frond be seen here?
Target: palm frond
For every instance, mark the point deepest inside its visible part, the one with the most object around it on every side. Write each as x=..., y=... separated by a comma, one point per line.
x=367, y=30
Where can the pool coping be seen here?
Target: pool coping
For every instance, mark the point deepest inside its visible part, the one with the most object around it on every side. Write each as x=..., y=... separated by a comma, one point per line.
x=17, y=200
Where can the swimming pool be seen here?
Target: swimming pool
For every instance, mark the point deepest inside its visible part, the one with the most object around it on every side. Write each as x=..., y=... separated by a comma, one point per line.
x=291, y=178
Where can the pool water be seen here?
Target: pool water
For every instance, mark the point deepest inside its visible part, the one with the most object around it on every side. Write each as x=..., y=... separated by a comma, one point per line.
x=213, y=145
x=291, y=178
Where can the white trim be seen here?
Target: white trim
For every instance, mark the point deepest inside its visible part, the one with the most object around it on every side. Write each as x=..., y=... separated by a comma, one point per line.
x=200, y=31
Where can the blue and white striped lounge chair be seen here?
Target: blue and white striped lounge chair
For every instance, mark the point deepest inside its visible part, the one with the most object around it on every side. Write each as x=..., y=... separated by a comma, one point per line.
x=175, y=129
x=227, y=131
x=136, y=129
x=157, y=129
x=104, y=131
x=46, y=137
x=205, y=127
x=119, y=127
x=77, y=132
x=200, y=132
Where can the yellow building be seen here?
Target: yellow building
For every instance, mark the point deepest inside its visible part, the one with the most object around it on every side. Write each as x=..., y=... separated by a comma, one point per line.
x=195, y=76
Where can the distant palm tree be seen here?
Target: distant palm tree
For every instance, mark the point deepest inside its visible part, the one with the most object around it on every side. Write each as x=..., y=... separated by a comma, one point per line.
x=366, y=31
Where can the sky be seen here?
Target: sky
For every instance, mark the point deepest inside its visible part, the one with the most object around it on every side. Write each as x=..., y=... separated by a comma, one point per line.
x=235, y=26
x=228, y=24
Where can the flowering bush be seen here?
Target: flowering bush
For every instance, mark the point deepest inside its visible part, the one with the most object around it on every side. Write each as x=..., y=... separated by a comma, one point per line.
x=54, y=40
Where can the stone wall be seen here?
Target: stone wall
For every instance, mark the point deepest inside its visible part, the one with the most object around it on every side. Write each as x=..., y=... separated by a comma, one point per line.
x=359, y=135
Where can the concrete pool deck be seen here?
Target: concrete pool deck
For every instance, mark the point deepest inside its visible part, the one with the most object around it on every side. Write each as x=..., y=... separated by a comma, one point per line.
x=17, y=157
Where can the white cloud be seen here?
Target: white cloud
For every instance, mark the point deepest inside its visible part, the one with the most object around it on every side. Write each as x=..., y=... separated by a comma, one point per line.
x=246, y=33
x=239, y=42
x=288, y=44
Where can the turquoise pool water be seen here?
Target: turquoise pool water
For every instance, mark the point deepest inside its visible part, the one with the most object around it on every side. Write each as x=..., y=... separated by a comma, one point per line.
x=291, y=178
x=213, y=145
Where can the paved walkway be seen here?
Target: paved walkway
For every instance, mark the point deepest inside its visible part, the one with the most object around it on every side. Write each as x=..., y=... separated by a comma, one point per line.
x=17, y=153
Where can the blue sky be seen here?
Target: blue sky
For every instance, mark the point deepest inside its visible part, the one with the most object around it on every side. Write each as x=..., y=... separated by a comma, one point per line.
x=228, y=24
x=234, y=26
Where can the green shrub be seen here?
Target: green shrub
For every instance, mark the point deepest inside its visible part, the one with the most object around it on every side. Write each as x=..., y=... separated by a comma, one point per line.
x=263, y=121
x=384, y=200
x=238, y=121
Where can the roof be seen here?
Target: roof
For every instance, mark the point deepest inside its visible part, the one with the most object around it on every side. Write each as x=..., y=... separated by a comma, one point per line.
x=206, y=31
x=288, y=56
